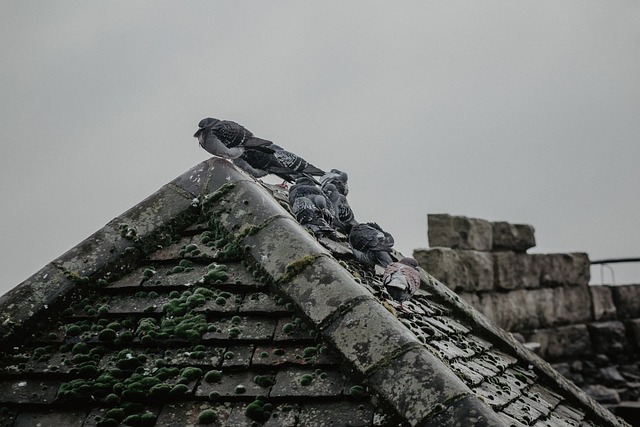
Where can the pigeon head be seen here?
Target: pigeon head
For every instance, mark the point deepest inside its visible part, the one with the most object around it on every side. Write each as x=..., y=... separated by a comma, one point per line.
x=410, y=262
x=331, y=191
x=204, y=124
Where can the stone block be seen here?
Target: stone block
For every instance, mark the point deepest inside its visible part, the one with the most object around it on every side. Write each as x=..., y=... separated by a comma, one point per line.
x=512, y=237
x=515, y=270
x=459, y=232
x=563, y=342
x=571, y=305
x=479, y=266
x=608, y=337
x=322, y=288
x=415, y=382
x=627, y=300
x=445, y=265
x=368, y=334
x=633, y=331
x=281, y=245
x=602, y=301
x=564, y=269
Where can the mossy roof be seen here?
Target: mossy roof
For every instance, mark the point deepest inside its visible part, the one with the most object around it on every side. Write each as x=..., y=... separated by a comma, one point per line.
x=208, y=303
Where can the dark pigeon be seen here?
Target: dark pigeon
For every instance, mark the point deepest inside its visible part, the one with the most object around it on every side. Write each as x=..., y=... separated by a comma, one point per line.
x=402, y=279
x=370, y=244
x=304, y=186
x=344, y=218
x=228, y=139
x=337, y=178
x=310, y=215
x=280, y=162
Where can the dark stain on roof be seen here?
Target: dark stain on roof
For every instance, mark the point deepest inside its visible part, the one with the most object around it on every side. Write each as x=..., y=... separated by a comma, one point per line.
x=208, y=304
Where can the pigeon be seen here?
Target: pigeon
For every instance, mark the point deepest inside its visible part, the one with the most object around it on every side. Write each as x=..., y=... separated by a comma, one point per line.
x=370, y=244
x=310, y=216
x=337, y=178
x=344, y=218
x=228, y=139
x=304, y=186
x=280, y=162
x=402, y=279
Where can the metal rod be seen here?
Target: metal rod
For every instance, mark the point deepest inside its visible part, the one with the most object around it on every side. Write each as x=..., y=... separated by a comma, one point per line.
x=615, y=260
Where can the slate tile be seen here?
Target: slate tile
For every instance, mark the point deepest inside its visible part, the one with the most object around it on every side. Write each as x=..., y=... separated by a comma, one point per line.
x=185, y=414
x=293, y=329
x=233, y=384
x=260, y=302
x=130, y=304
x=238, y=356
x=466, y=373
x=242, y=328
x=450, y=350
x=291, y=382
x=496, y=392
x=522, y=411
x=7, y=416
x=279, y=417
x=28, y=391
x=210, y=357
x=467, y=411
x=222, y=304
x=50, y=418
x=337, y=414
x=98, y=414
x=268, y=355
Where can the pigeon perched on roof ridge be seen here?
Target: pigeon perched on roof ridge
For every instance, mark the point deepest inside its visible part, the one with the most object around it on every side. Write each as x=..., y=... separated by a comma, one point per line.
x=310, y=216
x=344, y=217
x=337, y=178
x=370, y=244
x=402, y=279
x=227, y=139
x=279, y=162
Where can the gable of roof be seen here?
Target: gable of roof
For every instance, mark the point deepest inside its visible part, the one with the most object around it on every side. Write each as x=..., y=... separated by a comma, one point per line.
x=210, y=292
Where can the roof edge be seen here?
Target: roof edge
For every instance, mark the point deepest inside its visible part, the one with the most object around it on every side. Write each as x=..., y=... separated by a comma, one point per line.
x=110, y=250
x=506, y=340
x=369, y=338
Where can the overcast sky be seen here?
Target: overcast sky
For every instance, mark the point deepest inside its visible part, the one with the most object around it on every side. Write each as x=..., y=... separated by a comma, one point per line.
x=527, y=112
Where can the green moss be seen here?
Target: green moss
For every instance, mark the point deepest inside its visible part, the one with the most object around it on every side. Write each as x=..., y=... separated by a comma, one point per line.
x=191, y=373
x=234, y=332
x=214, y=396
x=116, y=413
x=294, y=268
x=107, y=422
x=288, y=328
x=179, y=390
x=240, y=389
x=208, y=416
x=309, y=352
x=213, y=376
x=306, y=379
x=278, y=351
x=107, y=335
x=74, y=330
x=264, y=380
x=80, y=348
x=357, y=391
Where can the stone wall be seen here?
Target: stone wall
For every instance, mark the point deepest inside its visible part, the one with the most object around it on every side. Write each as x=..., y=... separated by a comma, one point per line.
x=590, y=333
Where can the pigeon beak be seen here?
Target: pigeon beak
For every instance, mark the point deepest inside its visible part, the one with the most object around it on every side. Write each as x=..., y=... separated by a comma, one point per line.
x=198, y=132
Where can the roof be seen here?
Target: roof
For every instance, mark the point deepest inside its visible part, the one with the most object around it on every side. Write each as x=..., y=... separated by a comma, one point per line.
x=208, y=303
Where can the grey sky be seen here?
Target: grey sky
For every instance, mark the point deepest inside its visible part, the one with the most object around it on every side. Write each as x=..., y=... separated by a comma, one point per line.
x=520, y=111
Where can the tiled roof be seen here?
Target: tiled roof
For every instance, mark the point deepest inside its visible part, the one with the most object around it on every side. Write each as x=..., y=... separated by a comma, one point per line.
x=208, y=303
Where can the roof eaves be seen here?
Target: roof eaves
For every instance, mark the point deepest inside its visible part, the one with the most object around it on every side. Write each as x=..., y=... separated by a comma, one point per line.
x=507, y=341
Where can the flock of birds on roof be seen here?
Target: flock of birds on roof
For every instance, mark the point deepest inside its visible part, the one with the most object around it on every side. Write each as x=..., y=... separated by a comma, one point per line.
x=317, y=199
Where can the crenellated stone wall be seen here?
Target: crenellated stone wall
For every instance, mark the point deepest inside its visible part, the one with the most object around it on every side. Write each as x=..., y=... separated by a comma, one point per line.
x=590, y=333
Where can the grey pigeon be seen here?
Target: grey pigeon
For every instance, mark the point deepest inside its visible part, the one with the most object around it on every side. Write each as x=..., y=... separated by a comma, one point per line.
x=304, y=186
x=337, y=178
x=228, y=139
x=370, y=244
x=344, y=218
x=280, y=162
x=310, y=216
x=402, y=279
